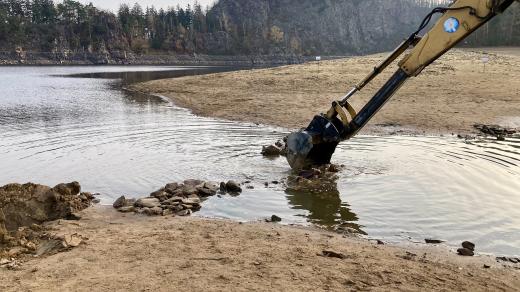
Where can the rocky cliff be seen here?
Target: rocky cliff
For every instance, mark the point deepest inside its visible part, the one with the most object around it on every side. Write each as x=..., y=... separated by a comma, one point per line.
x=312, y=27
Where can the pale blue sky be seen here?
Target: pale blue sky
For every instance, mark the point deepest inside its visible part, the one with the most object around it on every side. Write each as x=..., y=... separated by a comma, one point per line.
x=113, y=5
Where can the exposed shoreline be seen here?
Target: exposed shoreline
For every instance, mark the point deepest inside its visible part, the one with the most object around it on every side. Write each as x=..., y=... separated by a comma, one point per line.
x=130, y=59
x=448, y=98
x=131, y=252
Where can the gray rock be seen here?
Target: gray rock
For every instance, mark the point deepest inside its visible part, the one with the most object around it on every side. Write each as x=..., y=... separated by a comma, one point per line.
x=171, y=188
x=148, y=203
x=176, y=208
x=211, y=186
x=126, y=209
x=120, y=202
x=172, y=201
x=271, y=150
x=161, y=195
x=193, y=182
x=233, y=187
x=223, y=187
x=188, y=190
x=468, y=245
x=465, y=252
x=205, y=192
x=155, y=211
x=191, y=201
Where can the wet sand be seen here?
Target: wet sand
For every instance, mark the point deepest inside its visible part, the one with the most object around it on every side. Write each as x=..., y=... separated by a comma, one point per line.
x=449, y=97
x=136, y=253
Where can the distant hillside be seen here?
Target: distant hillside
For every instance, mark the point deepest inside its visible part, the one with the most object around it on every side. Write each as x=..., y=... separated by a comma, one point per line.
x=315, y=27
x=231, y=27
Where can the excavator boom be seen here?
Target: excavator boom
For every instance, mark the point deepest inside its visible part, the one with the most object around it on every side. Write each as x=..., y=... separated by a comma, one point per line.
x=317, y=143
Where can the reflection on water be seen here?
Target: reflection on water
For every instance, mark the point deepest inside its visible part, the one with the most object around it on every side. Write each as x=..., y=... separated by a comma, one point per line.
x=56, y=129
x=324, y=209
x=130, y=77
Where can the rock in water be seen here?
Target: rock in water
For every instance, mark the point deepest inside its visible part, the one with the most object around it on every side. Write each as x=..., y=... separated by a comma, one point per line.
x=271, y=150
x=233, y=187
x=275, y=218
x=468, y=245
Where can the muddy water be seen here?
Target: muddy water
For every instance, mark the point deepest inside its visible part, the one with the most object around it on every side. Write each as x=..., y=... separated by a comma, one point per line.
x=55, y=128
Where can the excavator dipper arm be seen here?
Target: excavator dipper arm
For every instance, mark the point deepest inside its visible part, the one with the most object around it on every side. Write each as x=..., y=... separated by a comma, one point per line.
x=317, y=143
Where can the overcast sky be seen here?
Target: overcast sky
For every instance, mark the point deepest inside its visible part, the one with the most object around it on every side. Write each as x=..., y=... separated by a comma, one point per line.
x=113, y=5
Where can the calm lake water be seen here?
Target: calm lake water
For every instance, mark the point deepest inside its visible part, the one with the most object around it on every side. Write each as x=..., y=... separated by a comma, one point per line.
x=57, y=128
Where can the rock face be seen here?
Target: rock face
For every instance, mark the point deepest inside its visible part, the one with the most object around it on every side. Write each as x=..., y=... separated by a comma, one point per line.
x=24, y=205
x=312, y=27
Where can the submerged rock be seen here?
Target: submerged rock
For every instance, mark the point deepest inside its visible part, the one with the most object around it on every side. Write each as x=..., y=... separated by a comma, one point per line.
x=321, y=179
x=277, y=149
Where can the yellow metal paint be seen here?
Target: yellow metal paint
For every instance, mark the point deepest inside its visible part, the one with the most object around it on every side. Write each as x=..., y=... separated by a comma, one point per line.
x=437, y=41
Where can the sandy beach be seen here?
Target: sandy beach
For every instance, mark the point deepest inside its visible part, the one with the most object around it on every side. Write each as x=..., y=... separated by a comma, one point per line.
x=137, y=253
x=451, y=96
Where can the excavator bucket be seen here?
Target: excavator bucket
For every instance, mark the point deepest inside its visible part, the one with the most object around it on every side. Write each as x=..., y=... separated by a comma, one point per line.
x=315, y=144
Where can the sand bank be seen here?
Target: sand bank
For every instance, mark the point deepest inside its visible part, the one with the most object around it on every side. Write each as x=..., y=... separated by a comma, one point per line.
x=449, y=97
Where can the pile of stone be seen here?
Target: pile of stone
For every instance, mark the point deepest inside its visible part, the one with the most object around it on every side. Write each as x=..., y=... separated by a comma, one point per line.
x=468, y=249
x=176, y=199
x=277, y=149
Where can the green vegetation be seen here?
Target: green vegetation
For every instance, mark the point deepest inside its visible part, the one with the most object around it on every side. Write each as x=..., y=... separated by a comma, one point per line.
x=47, y=26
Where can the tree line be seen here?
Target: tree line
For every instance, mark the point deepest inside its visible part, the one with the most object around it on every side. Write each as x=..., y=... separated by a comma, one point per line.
x=48, y=26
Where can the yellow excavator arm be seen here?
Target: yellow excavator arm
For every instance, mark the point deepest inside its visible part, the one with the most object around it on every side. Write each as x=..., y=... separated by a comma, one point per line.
x=460, y=20
x=317, y=143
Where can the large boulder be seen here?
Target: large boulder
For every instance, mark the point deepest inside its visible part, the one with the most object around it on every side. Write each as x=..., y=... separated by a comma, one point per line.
x=24, y=205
